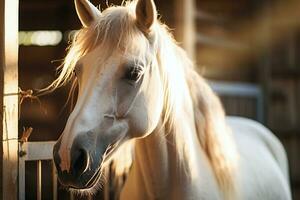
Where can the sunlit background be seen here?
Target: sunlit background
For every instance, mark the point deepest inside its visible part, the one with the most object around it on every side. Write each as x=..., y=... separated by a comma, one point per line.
x=247, y=49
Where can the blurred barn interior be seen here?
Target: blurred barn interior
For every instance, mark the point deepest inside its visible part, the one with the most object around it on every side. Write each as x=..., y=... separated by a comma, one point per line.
x=248, y=50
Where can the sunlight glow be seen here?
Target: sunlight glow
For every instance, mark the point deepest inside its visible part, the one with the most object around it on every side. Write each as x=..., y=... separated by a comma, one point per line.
x=40, y=38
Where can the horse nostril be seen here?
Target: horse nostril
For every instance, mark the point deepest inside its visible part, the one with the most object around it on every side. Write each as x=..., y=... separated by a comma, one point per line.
x=80, y=161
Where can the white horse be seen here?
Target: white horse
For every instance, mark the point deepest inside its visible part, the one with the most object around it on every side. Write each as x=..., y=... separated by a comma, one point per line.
x=138, y=89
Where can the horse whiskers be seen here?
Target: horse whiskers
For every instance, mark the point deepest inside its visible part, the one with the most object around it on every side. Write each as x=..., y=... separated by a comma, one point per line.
x=92, y=190
x=99, y=183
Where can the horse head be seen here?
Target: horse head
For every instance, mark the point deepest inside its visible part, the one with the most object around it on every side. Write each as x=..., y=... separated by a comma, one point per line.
x=120, y=95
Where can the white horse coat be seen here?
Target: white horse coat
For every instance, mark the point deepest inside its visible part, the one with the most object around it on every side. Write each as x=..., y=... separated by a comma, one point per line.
x=262, y=173
x=137, y=87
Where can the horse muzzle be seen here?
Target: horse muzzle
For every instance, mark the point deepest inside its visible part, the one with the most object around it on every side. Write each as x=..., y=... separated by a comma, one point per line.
x=85, y=161
x=88, y=153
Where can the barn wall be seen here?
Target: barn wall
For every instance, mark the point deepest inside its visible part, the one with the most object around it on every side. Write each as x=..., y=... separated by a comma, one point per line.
x=226, y=27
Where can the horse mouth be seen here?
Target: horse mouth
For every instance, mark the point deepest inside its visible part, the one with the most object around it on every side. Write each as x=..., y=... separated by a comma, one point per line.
x=106, y=157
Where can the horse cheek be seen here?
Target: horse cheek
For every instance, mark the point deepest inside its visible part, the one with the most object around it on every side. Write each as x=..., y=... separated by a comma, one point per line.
x=139, y=119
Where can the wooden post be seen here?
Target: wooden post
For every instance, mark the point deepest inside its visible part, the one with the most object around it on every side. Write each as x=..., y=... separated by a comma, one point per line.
x=185, y=31
x=9, y=99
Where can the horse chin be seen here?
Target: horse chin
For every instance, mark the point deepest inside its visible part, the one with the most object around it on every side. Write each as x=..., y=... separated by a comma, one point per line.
x=96, y=183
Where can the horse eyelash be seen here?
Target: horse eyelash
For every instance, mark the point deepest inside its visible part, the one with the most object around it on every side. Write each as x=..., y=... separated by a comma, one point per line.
x=131, y=70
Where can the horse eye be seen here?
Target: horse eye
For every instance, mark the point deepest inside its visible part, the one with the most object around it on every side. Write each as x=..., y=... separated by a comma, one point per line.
x=77, y=69
x=133, y=74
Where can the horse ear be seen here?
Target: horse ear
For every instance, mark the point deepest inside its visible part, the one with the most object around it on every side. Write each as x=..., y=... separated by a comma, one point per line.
x=146, y=14
x=86, y=12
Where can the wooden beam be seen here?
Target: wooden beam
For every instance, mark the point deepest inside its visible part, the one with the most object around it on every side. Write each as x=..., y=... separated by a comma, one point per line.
x=9, y=98
x=34, y=151
x=185, y=25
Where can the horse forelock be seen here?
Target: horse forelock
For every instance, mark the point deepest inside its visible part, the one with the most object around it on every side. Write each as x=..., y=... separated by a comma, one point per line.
x=114, y=30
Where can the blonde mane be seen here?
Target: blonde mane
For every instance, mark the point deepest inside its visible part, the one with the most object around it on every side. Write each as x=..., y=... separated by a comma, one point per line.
x=113, y=30
x=213, y=134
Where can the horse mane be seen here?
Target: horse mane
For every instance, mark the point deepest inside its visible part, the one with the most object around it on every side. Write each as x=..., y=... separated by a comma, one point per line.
x=209, y=118
x=213, y=134
x=180, y=81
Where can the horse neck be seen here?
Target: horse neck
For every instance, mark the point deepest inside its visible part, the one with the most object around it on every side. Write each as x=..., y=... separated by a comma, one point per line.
x=157, y=160
x=153, y=158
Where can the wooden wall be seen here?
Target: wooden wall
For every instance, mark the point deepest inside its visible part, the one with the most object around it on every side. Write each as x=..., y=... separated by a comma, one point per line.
x=257, y=42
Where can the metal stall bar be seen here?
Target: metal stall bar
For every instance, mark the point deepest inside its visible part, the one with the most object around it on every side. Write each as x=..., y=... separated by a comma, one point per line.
x=21, y=177
x=54, y=179
x=237, y=89
x=39, y=180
